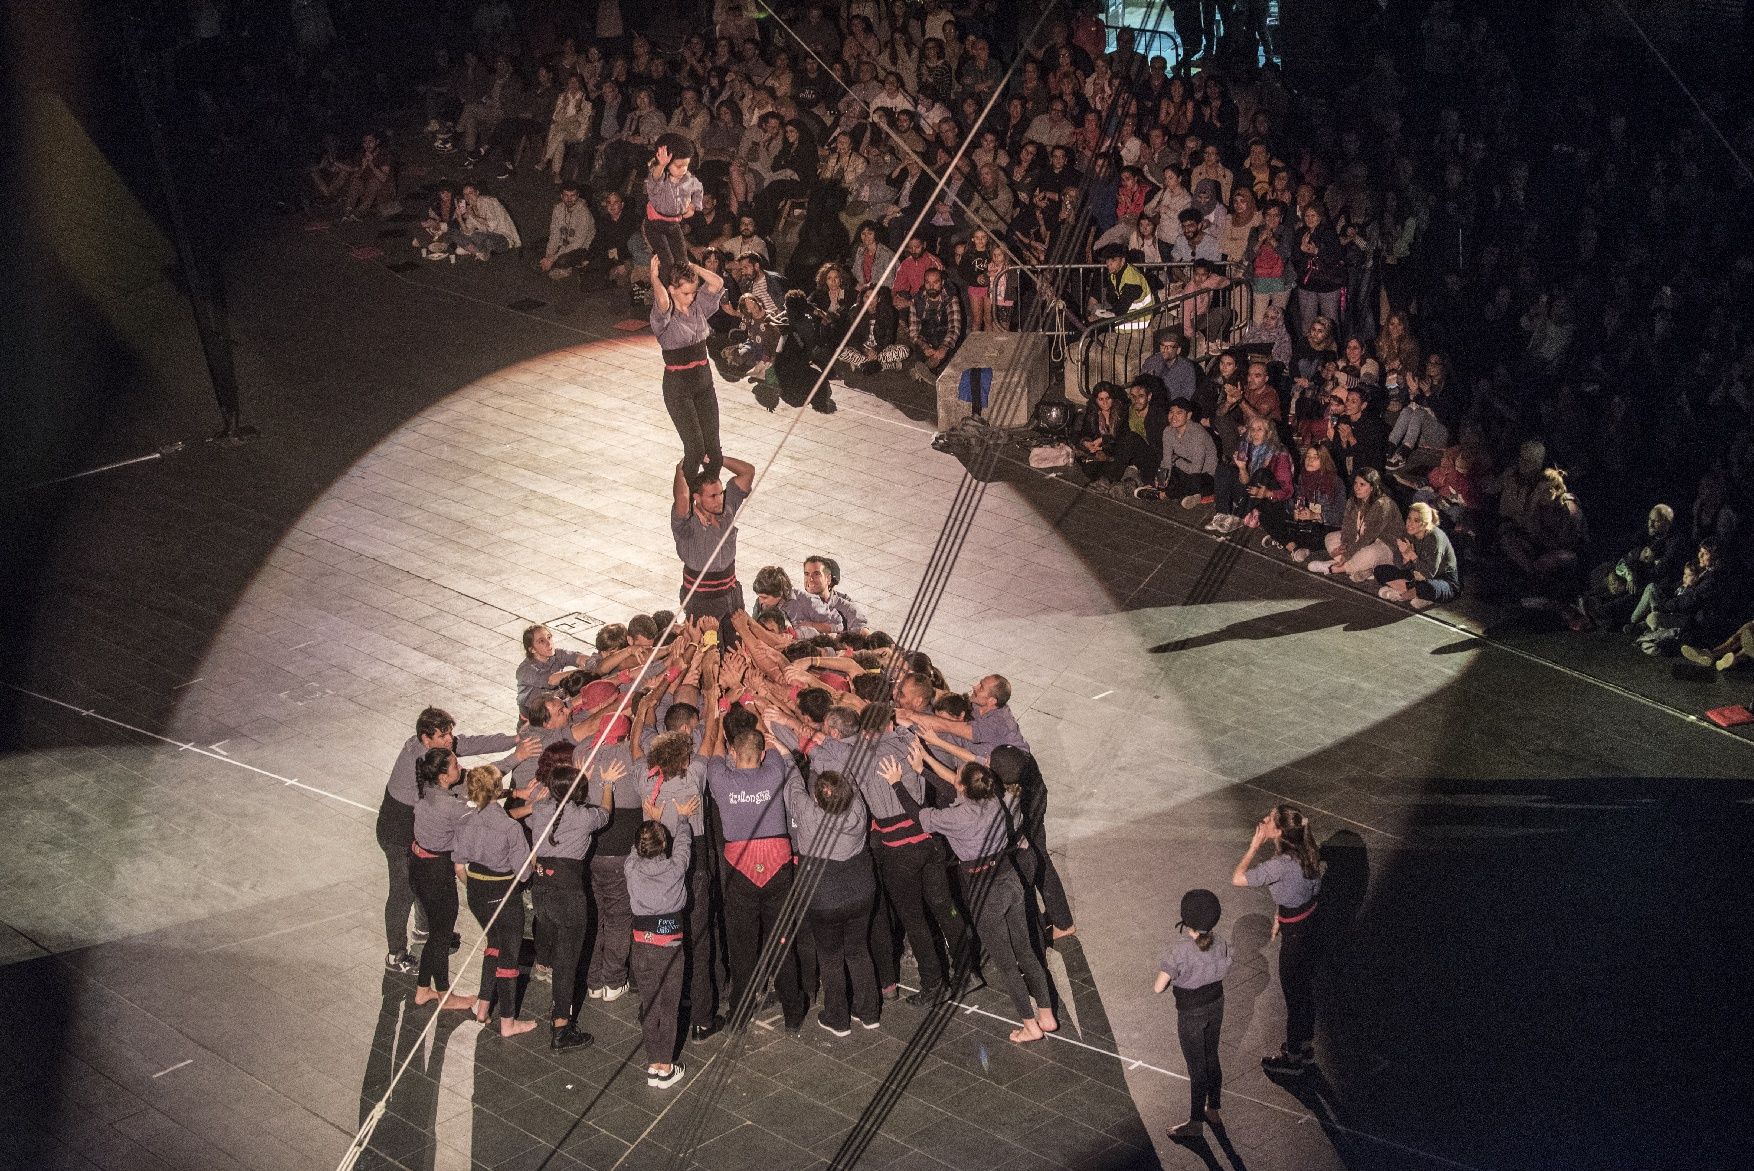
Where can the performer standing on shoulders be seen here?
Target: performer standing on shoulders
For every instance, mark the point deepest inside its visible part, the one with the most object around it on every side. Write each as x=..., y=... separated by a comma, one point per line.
x=680, y=311
x=699, y=515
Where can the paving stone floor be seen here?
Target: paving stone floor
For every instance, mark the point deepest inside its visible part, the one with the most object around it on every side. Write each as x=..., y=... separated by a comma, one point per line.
x=231, y=645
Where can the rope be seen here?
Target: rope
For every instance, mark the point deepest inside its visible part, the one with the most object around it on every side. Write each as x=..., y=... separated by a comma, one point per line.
x=1710, y=122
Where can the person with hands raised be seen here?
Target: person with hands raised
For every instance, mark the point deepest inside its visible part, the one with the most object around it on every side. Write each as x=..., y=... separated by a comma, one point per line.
x=557, y=886
x=977, y=825
x=1292, y=874
x=656, y=880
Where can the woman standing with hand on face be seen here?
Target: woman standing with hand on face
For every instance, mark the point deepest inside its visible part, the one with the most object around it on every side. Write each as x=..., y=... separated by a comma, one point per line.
x=1195, y=966
x=1292, y=874
x=436, y=815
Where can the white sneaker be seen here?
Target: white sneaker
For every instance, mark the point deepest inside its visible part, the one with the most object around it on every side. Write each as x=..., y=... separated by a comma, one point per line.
x=1318, y=566
x=663, y=1081
x=1192, y=500
x=830, y=1028
x=1216, y=524
x=613, y=994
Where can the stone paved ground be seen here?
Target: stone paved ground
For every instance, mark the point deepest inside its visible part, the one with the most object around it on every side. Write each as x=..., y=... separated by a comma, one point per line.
x=1525, y=950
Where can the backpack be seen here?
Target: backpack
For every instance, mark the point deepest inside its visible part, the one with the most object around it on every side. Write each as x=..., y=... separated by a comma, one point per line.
x=1269, y=265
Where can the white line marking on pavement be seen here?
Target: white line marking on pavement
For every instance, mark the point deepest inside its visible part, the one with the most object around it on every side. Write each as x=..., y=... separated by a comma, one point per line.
x=174, y=1068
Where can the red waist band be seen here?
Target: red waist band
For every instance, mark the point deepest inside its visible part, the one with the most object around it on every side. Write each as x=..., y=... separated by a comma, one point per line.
x=687, y=365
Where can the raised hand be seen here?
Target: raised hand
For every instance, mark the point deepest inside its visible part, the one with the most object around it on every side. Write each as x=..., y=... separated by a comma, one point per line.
x=689, y=807
x=614, y=771
x=890, y=770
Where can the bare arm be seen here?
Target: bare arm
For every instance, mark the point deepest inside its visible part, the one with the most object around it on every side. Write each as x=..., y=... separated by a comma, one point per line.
x=679, y=494
x=660, y=295
x=743, y=474
x=712, y=282
x=1239, y=876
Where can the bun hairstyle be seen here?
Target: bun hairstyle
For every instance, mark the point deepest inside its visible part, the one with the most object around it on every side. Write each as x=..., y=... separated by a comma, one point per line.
x=652, y=841
x=482, y=784
x=429, y=768
x=979, y=783
x=555, y=757
x=1297, y=839
x=832, y=792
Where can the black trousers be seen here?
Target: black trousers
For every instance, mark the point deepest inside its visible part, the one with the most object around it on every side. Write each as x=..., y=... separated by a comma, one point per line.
x=693, y=404
x=751, y=913
x=670, y=245
x=505, y=942
x=843, y=962
x=658, y=974
x=997, y=900
x=1040, y=876
x=699, y=942
x=1298, y=952
x=914, y=879
x=614, y=939
x=435, y=888
x=1180, y=483
x=563, y=918
x=1197, y=1029
x=395, y=831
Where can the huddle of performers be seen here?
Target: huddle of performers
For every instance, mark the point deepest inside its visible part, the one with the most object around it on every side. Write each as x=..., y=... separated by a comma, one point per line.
x=758, y=753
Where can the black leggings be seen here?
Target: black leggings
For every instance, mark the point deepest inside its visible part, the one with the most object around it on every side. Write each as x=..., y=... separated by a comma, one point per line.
x=914, y=880
x=669, y=245
x=563, y=915
x=693, y=404
x=505, y=943
x=840, y=937
x=1298, y=953
x=435, y=886
x=1197, y=1029
x=395, y=830
x=1004, y=933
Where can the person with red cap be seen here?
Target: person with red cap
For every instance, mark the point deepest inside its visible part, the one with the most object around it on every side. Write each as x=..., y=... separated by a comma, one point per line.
x=1194, y=966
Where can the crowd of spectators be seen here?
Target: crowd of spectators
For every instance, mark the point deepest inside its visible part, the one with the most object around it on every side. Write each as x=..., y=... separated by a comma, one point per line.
x=1504, y=290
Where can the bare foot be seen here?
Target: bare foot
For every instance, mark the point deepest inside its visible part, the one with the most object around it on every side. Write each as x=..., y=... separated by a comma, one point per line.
x=509, y=1028
x=1185, y=1130
x=1046, y=1021
x=1072, y=930
x=458, y=1001
x=426, y=995
x=483, y=1010
x=1026, y=1032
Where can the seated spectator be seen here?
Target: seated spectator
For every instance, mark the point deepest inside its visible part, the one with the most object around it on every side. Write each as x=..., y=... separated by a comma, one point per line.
x=1139, y=449
x=1371, y=521
x=1254, y=484
x=1317, y=508
x=1195, y=242
x=484, y=226
x=609, y=253
x=1696, y=612
x=1169, y=365
x=570, y=232
x=1210, y=317
x=1456, y=481
x=440, y=220
x=1424, y=572
x=935, y=326
x=874, y=345
x=1546, y=539
x=1419, y=437
x=1259, y=398
x=1125, y=292
x=372, y=185
x=330, y=174
x=1100, y=427
x=916, y=262
x=870, y=259
x=1267, y=335
x=568, y=126
x=1613, y=589
x=1738, y=648
x=1359, y=437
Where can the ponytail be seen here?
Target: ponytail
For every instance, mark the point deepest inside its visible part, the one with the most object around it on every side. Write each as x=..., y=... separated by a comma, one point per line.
x=1203, y=941
x=1298, y=840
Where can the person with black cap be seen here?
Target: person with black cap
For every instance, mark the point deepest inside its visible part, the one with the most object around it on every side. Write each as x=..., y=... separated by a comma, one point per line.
x=1125, y=292
x=1195, y=966
x=1293, y=875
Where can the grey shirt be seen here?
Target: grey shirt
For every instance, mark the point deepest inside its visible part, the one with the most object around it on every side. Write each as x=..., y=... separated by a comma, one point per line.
x=996, y=729
x=533, y=673
x=1189, y=967
x=436, y=816
x=675, y=329
x=628, y=788
x=974, y=829
x=880, y=800
x=818, y=834
x=519, y=773
x=695, y=541
x=572, y=834
x=659, y=886
x=1282, y=875
x=1192, y=451
x=401, y=786
x=836, y=614
x=488, y=839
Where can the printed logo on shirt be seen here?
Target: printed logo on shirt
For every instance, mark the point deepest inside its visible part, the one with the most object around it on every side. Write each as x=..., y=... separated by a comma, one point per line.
x=760, y=798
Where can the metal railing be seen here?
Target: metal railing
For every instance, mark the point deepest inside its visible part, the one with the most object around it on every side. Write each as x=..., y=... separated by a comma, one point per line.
x=1076, y=284
x=1114, y=349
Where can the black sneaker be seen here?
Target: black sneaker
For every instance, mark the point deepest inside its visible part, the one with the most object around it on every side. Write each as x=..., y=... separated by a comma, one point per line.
x=927, y=997
x=570, y=1037
x=1285, y=1064
x=702, y=1032
x=400, y=961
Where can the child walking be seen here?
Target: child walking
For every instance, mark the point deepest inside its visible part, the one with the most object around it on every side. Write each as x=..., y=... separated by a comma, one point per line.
x=1194, y=966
